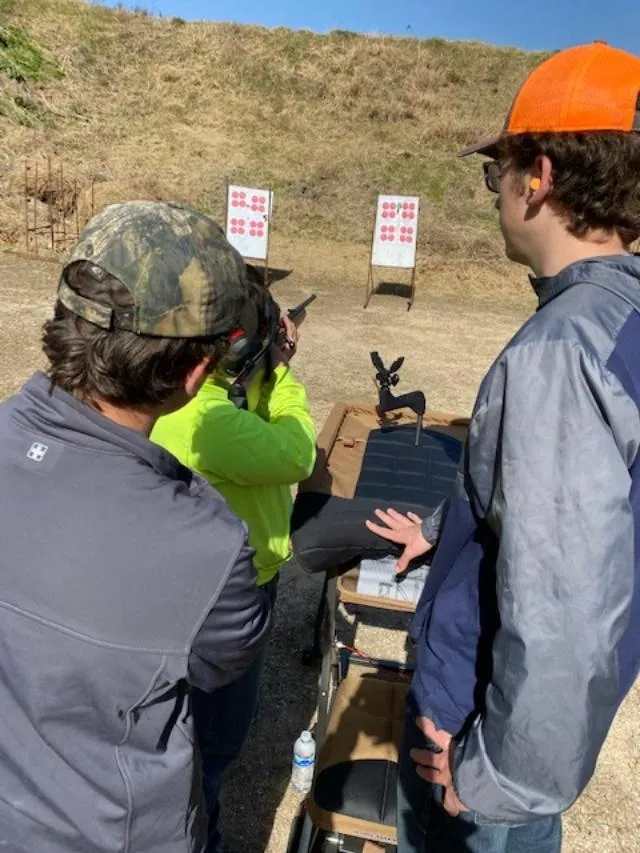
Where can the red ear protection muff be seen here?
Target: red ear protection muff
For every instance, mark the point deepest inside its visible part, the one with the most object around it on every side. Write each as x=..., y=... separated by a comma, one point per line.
x=248, y=348
x=243, y=347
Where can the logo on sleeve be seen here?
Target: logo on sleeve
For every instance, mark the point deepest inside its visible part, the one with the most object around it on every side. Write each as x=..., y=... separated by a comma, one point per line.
x=37, y=451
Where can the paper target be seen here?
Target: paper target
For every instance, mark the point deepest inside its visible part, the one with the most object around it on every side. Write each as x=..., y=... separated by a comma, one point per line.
x=396, y=231
x=248, y=217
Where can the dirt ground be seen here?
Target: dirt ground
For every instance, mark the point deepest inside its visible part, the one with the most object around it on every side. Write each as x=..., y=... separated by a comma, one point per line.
x=449, y=339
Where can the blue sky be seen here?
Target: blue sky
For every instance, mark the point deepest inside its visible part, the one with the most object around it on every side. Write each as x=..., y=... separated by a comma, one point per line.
x=531, y=24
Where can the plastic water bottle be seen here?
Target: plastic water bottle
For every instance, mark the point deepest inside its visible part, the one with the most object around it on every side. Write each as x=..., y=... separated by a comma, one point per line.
x=304, y=758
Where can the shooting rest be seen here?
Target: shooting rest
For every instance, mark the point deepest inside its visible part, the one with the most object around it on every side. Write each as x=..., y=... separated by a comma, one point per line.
x=388, y=402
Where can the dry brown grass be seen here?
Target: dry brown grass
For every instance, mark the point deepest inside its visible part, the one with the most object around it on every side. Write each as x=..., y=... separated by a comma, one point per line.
x=156, y=108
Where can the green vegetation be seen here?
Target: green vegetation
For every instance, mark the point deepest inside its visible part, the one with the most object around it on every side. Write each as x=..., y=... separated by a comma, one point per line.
x=22, y=111
x=21, y=58
x=23, y=64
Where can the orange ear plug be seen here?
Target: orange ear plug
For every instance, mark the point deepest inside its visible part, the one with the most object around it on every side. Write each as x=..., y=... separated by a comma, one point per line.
x=535, y=183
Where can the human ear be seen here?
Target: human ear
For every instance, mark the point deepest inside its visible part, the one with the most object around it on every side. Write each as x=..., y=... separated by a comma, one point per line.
x=196, y=377
x=541, y=180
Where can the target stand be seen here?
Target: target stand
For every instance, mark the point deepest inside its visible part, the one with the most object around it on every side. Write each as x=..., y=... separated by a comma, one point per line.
x=394, y=240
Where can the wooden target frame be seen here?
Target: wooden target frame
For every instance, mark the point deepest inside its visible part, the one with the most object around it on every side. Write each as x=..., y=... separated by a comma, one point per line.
x=381, y=204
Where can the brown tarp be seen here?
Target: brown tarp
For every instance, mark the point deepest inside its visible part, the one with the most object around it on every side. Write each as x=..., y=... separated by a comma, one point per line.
x=367, y=715
x=366, y=723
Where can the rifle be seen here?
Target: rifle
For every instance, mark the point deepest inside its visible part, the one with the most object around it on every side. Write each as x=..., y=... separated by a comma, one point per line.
x=387, y=402
x=294, y=314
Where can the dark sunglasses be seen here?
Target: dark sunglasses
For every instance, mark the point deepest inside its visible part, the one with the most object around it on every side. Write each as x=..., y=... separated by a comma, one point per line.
x=492, y=175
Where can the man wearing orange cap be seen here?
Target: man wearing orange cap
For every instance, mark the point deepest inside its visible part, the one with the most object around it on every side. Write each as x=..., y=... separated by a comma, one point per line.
x=528, y=631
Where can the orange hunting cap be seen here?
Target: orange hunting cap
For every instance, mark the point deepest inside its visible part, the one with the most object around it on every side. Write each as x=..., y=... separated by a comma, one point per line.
x=593, y=87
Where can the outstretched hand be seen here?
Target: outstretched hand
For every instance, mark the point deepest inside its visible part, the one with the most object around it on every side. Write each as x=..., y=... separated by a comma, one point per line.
x=404, y=530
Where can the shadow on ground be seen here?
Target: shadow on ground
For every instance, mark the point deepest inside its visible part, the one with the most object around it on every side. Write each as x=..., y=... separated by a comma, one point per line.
x=393, y=288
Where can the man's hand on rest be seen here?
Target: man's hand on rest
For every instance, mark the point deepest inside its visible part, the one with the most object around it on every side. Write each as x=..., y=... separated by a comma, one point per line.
x=436, y=767
x=404, y=530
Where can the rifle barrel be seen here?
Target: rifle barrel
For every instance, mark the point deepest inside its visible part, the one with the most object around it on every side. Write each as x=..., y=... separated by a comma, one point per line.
x=294, y=313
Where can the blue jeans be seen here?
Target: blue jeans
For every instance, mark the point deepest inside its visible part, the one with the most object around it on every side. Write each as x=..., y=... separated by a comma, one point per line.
x=222, y=720
x=425, y=827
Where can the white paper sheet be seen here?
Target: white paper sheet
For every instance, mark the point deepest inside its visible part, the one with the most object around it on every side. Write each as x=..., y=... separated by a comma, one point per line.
x=249, y=214
x=378, y=578
x=396, y=231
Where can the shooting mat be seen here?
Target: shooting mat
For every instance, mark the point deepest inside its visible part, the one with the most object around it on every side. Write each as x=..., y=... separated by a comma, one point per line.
x=367, y=461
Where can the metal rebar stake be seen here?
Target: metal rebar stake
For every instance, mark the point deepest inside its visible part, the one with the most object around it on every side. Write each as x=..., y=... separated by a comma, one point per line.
x=418, y=430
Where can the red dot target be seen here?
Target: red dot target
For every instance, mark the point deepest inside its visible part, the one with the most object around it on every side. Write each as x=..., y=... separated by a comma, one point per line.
x=394, y=241
x=247, y=222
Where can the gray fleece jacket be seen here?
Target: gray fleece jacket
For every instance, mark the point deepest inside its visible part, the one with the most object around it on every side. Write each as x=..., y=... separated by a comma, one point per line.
x=125, y=578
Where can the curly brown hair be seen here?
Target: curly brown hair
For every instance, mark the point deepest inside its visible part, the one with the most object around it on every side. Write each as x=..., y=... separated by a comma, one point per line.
x=118, y=366
x=596, y=177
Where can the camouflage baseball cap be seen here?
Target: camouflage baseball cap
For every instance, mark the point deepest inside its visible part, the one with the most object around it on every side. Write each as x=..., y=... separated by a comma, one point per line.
x=186, y=280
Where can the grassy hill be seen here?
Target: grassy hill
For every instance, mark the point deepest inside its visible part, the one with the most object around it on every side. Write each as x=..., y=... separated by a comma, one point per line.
x=159, y=108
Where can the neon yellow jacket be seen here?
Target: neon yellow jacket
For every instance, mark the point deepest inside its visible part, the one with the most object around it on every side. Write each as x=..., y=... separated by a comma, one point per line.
x=252, y=457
